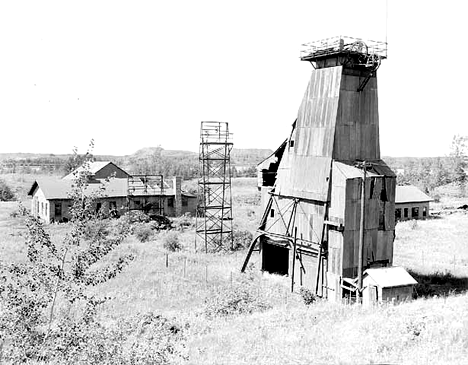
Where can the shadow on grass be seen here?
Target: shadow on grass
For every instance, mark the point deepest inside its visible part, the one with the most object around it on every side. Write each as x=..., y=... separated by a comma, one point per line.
x=438, y=283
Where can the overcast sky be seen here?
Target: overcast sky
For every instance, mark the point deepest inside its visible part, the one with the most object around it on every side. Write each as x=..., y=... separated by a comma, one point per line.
x=133, y=74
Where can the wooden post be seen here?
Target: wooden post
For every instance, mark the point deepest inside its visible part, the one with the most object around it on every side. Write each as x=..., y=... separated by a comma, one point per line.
x=294, y=259
x=364, y=166
x=167, y=260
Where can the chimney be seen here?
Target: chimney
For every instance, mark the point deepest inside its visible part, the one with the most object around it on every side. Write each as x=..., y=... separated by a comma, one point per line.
x=177, y=186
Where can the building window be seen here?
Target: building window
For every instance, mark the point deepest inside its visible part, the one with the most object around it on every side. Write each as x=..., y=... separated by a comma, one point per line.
x=170, y=202
x=112, y=205
x=137, y=202
x=58, y=209
x=184, y=201
x=42, y=208
x=415, y=212
x=272, y=213
x=405, y=213
x=398, y=213
x=424, y=212
x=291, y=143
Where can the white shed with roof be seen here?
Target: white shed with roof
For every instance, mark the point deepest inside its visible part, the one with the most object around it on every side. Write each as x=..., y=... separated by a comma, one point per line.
x=385, y=284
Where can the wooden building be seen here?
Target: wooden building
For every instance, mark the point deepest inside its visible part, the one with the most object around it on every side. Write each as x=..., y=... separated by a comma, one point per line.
x=387, y=284
x=99, y=170
x=310, y=229
x=411, y=203
x=51, y=197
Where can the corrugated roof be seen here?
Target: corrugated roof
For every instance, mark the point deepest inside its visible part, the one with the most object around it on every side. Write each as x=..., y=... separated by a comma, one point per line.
x=387, y=277
x=410, y=194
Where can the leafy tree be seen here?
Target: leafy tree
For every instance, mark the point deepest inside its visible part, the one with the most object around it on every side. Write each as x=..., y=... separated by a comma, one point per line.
x=48, y=309
x=458, y=161
x=76, y=160
x=5, y=192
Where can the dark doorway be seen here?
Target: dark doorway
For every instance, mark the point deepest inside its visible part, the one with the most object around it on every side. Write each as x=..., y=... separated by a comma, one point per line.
x=275, y=259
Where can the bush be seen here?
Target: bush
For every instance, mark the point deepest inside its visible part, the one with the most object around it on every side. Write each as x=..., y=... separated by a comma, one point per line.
x=243, y=298
x=137, y=216
x=171, y=242
x=5, y=192
x=308, y=297
x=241, y=239
x=184, y=222
x=143, y=232
x=96, y=228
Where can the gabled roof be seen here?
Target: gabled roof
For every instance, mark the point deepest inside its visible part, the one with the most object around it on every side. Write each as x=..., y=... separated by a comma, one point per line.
x=93, y=168
x=410, y=194
x=387, y=277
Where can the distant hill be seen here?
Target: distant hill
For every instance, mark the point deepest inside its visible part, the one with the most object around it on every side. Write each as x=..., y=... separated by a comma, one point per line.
x=151, y=160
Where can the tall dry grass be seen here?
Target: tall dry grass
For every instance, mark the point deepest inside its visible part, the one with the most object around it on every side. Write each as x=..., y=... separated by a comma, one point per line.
x=286, y=331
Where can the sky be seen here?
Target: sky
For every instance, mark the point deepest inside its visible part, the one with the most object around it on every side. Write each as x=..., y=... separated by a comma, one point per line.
x=134, y=74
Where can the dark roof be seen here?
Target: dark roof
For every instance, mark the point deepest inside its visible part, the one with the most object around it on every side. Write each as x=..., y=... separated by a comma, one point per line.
x=93, y=168
x=410, y=194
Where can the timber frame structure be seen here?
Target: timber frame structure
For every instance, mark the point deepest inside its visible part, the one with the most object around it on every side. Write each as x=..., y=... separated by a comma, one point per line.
x=214, y=211
x=329, y=214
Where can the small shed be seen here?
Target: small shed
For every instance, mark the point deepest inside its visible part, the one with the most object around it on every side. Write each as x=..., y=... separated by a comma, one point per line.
x=385, y=284
x=411, y=203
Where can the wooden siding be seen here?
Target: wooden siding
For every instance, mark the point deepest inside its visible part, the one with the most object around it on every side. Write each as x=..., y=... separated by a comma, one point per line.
x=357, y=122
x=308, y=221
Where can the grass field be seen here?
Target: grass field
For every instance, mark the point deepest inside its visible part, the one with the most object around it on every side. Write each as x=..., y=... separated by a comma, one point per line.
x=286, y=331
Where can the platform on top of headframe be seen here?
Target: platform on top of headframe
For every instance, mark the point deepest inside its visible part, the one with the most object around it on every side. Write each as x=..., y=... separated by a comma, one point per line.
x=342, y=45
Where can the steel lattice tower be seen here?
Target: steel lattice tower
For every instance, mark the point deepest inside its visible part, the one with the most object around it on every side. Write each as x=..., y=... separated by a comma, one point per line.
x=214, y=211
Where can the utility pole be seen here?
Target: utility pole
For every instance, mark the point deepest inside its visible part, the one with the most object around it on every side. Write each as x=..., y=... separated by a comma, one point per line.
x=362, y=165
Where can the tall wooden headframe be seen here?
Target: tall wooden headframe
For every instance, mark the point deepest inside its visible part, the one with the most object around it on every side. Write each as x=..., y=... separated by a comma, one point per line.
x=329, y=213
x=214, y=211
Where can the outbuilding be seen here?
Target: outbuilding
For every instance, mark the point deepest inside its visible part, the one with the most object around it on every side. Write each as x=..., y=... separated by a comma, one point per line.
x=411, y=203
x=387, y=284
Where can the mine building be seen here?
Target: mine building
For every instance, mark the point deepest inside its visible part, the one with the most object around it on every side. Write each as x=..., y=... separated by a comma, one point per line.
x=122, y=193
x=411, y=203
x=329, y=198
